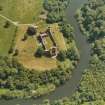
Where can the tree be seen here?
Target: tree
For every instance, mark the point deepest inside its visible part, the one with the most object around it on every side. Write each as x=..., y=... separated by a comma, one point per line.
x=31, y=31
x=39, y=52
x=7, y=24
x=67, y=30
x=25, y=37
x=61, y=56
x=1, y=8
x=16, y=52
x=10, y=50
x=55, y=9
x=72, y=54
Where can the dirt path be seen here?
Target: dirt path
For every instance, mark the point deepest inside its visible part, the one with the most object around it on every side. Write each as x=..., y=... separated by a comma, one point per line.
x=16, y=23
x=11, y=21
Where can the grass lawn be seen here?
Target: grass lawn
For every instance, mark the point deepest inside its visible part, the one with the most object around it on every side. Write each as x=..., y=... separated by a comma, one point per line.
x=3, y=91
x=6, y=36
x=23, y=11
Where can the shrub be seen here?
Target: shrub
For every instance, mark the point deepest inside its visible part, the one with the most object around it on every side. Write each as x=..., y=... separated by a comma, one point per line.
x=39, y=52
x=61, y=56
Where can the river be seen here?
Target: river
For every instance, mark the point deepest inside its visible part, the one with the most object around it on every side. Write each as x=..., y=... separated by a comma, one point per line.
x=70, y=87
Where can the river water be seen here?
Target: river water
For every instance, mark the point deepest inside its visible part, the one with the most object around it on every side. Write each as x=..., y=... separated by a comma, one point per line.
x=70, y=87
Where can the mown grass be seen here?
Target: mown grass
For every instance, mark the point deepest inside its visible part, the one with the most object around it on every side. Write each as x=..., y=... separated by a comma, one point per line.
x=6, y=37
x=23, y=11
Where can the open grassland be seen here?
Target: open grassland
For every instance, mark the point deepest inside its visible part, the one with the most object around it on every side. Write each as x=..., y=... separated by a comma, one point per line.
x=6, y=37
x=23, y=11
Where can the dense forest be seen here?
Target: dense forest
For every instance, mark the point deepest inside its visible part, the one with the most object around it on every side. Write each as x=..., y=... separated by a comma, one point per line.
x=91, y=18
x=56, y=9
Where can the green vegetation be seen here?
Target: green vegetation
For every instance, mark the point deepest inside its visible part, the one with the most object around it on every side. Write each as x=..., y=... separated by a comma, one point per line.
x=91, y=18
x=93, y=83
x=61, y=56
x=27, y=11
x=39, y=52
x=56, y=9
x=66, y=29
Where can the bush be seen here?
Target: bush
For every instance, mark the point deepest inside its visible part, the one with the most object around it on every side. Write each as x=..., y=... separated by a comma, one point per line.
x=66, y=29
x=16, y=52
x=7, y=24
x=39, y=52
x=61, y=56
x=31, y=31
x=25, y=37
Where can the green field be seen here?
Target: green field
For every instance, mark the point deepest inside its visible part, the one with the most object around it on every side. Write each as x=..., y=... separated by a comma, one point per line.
x=6, y=36
x=23, y=11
